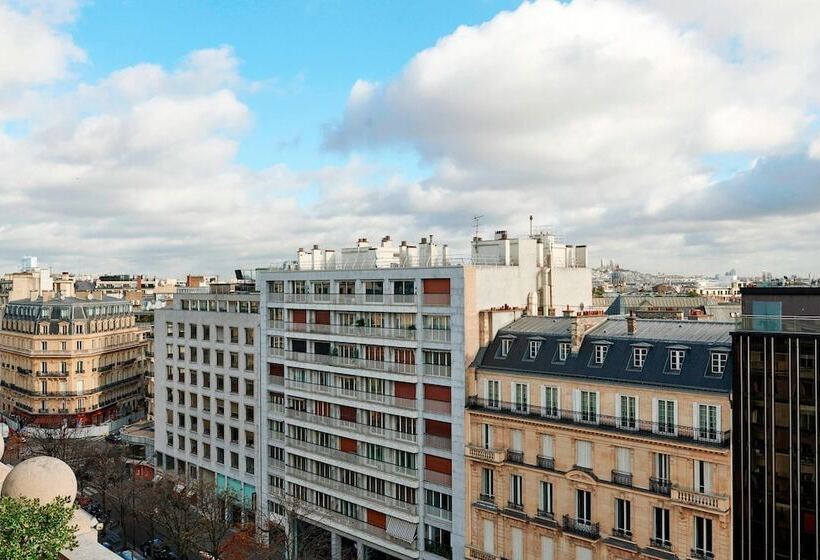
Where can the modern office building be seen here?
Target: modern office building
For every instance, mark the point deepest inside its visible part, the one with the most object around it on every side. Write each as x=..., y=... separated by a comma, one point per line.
x=775, y=424
x=72, y=361
x=596, y=438
x=207, y=415
x=365, y=353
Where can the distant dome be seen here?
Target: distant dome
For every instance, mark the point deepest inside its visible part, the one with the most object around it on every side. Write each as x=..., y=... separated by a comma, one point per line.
x=43, y=478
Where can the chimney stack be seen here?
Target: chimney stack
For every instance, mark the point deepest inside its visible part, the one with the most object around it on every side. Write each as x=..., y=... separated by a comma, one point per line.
x=631, y=323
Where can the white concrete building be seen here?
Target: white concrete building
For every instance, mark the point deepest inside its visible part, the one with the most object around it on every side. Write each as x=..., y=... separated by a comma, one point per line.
x=365, y=352
x=207, y=402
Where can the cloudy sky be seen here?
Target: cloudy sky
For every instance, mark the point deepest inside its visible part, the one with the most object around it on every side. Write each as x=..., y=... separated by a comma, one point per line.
x=173, y=137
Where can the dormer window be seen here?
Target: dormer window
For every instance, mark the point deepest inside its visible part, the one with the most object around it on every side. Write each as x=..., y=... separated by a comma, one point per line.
x=600, y=353
x=563, y=351
x=506, y=344
x=718, y=363
x=639, y=356
x=676, y=359
x=535, y=346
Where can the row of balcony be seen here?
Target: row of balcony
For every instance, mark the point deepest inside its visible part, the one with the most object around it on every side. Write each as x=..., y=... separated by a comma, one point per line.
x=597, y=421
x=409, y=334
x=433, y=370
x=375, y=431
x=70, y=353
x=346, y=489
x=436, y=300
x=355, y=459
x=342, y=392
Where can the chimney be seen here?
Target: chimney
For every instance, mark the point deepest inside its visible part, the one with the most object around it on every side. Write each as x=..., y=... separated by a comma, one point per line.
x=578, y=328
x=631, y=323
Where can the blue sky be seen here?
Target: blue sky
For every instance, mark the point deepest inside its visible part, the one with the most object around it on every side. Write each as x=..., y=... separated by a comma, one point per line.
x=305, y=56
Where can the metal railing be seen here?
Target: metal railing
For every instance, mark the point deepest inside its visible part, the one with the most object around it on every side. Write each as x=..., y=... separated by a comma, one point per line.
x=701, y=554
x=360, y=428
x=356, y=363
x=436, y=370
x=660, y=486
x=438, y=513
x=779, y=323
x=354, y=459
x=438, y=442
x=604, y=422
x=622, y=533
x=515, y=456
x=345, y=393
x=436, y=335
x=582, y=527
x=545, y=462
x=439, y=549
x=440, y=479
x=663, y=544
x=621, y=478
x=350, y=299
x=348, y=330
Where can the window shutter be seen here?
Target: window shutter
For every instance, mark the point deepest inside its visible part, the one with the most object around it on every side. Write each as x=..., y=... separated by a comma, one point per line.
x=517, y=544
x=547, y=549
x=618, y=407
x=707, y=476
x=597, y=403
x=546, y=446
x=717, y=422
x=517, y=444
x=543, y=397
x=655, y=418
x=576, y=403
x=696, y=420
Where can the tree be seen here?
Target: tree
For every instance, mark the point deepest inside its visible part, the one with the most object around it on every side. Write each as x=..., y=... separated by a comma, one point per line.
x=105, y=469
x=125, y=496
x=31, y=531
x=173, y=508
x=216, y=525
x=291, y=532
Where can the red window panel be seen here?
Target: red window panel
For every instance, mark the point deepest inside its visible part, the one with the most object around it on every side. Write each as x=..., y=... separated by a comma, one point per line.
x=322, y=317
x=437, y=428
x=438, y=464
x=299, y=316
x=376, y=518
x=348, y=445
x=436, y=285
x=276, y=369
x=347, y=413
x=436, y=393
x=404, y=390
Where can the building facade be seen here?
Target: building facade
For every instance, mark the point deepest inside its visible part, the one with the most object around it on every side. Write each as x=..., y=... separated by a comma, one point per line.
x=775, y=424
x=207, y=411
x=593, y=437
x=365, y=352
x=72, y=361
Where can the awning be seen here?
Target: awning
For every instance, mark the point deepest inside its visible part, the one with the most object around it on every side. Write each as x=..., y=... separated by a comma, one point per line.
x=401, y=529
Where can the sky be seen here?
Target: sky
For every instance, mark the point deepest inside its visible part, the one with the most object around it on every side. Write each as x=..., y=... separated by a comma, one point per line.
x=175, y=137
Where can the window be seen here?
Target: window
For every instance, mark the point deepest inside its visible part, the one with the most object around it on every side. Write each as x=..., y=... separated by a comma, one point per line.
x=703, y=477
x=662, y=467
x=487, y=436
x=547, y=447
x=639, y=356
x=660, y=530
x=623, y=517
x=563, y=351
x=586, y=406
x=487, y=484
x=234, y=334
x=517, y=543
x=521, y=397
x=583, y=454
x=676, y=359
x=627, y=412
x=489, y=536
x=703, y=537
x=492, y=393
x=665, y=417
x=545, y=498
x=249, y=336
x=549, y=401
x=535, y=346
x=506, y=344
x=600, y=353
x=707, y=422
x=249, y=466
x=234, y=460
x=718, y=363
x=583, y=507
x=623, y=460
x=547, y=548
x=516, y=441
x=516, y=491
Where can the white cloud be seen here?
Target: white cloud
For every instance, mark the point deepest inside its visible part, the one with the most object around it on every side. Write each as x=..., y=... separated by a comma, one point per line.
x=596, y=108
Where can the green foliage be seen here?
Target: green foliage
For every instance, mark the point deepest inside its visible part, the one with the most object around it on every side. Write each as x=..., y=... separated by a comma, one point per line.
x=33, y=531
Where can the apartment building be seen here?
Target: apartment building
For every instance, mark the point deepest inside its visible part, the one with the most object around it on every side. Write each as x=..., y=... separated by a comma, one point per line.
x=775, y=424
x=71, y=361
x=594, y=437
x=365, y=352
x=207, y=415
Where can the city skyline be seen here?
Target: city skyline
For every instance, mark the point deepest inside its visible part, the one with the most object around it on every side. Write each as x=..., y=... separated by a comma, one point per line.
x=193, y=137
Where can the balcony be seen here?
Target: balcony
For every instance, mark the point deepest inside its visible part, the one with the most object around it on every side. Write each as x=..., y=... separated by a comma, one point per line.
x=437, y=407
x=346, y=489
x=436, y=370
x=660, y=544
x=355, y=459
x=438, y=513
x=483, y=454
x=351, y=299
x=701, y=554
x=486, y=498
x=547, y=463
x=708, y=502
x=409, y=334
x=355, y=363
x=515, y=506
x=436, y=335
x=515, y=456
x=547, y=515
x=582, y=527
x=363, y=429
x=438, y=442
x=475, y=553
x=344, y=393
x=439, y=549
x=660, y=486
x=779, y=323
x=52, y=374
x=276, y=408
x=620, y=533
x=638, y=428
x=621, y=478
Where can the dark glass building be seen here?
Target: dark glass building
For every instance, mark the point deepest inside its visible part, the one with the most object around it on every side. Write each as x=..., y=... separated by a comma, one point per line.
x=775, y=432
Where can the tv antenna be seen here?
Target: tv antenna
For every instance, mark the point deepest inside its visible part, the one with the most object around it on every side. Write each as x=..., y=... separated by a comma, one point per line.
x=477, y=221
